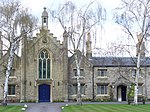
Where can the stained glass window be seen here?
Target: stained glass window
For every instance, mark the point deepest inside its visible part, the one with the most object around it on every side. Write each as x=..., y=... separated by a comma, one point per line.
x=44, y=65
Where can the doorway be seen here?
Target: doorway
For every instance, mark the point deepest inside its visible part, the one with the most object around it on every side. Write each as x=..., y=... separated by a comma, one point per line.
x=121, y=93
x=44, y=93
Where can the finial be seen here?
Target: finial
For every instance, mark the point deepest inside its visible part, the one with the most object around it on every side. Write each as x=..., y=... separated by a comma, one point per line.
x=44, y=8
x=88, y=37
x=65, y=28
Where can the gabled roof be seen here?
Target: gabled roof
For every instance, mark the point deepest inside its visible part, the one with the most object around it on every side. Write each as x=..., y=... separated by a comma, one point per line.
x=118, y=61
x=79, y=53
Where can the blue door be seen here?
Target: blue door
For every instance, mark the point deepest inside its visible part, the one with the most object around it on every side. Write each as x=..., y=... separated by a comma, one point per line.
x=44, y=93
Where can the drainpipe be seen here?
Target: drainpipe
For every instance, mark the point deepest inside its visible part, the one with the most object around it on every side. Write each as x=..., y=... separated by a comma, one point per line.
x=145, y=83
x=93, y=94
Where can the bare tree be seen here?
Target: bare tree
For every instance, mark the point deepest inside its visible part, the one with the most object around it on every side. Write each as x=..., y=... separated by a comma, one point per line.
x=133, y=16
x=15, y=23
x=79, y=22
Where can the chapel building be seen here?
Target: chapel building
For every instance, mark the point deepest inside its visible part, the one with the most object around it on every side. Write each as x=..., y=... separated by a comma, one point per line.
x=45, y=73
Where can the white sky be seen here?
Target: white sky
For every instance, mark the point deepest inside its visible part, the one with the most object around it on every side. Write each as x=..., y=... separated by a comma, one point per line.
x=110, y=32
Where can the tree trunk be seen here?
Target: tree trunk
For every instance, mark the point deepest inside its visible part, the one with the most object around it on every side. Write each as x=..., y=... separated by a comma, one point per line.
x=79, y=100
x=8, y=71
x=137, y=76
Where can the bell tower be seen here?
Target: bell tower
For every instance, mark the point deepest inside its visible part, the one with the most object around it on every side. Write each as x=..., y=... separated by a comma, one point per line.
x=44, y=19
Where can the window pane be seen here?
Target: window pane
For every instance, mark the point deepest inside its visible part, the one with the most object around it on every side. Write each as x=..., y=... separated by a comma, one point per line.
x=98, y=89
x=140, y=90
x=133, y=72
x=75, y=72
x=42, y=54
x=40, y=68
x=11, y=89
x=102, y=89
x=48, y=68
x=82, y=89
x=81, y=72
x=12, y=73
x=44, y=68
x=46, y=55
x=102, y=72
x=74, y=89
x=106, y=88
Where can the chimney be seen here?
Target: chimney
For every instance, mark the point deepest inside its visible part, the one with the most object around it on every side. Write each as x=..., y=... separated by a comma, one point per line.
x=88, y=46
x=65, y=38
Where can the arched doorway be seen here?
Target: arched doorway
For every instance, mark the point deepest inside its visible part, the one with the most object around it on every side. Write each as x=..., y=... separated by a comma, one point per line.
x=122, y=93
x=44, y=93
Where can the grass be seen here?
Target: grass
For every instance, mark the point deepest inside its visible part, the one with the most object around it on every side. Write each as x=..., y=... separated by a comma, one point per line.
x=10, y=108
x=106, y=108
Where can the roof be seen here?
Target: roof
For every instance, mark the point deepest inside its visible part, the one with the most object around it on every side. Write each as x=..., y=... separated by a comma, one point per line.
x=44, y=13
x=118, y=61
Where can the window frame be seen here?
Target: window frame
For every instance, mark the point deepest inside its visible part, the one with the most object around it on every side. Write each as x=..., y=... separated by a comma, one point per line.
x=140, y=87
x=99, y=89
x=11, y=90
x=134, y=74
x=74, y=89
x=82, y=74
x=102, y=71
x=44, y=65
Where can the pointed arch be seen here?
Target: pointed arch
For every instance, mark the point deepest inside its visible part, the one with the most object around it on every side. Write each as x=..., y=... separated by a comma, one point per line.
x=44, y=65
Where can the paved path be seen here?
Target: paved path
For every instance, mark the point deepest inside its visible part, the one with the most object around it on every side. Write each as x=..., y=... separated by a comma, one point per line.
x=44, y=107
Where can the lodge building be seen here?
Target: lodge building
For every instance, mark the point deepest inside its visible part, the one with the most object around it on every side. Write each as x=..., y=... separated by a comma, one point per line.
x=45, y=73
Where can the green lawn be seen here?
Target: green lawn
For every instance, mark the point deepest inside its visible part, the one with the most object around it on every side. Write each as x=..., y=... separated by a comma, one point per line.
x=106, y=108
x=10, y=108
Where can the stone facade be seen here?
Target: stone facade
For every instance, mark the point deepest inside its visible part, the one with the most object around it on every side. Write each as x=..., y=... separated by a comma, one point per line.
x=45, y=73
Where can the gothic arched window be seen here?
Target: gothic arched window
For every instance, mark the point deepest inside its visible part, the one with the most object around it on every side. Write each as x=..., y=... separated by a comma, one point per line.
x=44, y=65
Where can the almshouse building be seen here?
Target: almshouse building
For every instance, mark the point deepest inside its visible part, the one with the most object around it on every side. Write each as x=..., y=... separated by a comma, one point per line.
x=45, y=73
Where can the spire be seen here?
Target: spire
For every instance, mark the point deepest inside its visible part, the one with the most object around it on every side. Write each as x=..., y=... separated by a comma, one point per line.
x=88, y=46
x=45, y=19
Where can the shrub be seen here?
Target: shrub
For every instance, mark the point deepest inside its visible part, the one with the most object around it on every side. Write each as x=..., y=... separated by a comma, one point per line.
x=131, y=91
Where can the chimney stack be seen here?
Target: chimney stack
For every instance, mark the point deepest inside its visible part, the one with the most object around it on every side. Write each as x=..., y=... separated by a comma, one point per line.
x=88, y=46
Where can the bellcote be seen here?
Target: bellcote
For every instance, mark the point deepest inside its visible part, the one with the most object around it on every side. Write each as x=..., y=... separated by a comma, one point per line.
x=45, y=19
